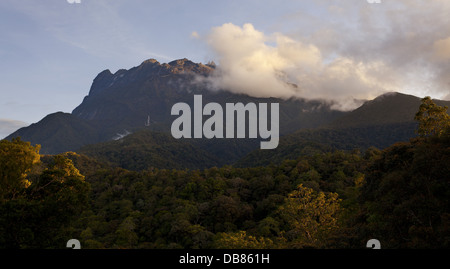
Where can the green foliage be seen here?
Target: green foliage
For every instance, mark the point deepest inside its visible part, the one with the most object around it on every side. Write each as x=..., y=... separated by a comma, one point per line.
x=317, y=198
x=311, y=217
x=212, y=208
x=240, y=240
x=17, y=159
x=145, y=149
x=324, y=140
x=41, y=216
x=433, y=119
x=406, y=195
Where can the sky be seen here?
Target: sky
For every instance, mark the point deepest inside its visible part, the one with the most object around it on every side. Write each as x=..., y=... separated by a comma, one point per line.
x=340, y=51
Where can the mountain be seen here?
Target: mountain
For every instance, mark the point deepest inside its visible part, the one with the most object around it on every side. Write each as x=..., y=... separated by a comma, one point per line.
x=128, y=97
x=142, y=97
x=379, y=123
x=58, y=132
x=389, y=108
x=126, y=117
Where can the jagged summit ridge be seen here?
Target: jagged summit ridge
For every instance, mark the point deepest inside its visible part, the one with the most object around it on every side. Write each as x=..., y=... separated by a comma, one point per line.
x=147, y=70
x=175, y=67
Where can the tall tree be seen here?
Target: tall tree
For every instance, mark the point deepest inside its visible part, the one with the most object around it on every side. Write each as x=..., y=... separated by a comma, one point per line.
x=405, y=197
x=17, y=158
x=433, y=119
x=312, y=217
x=37, y=207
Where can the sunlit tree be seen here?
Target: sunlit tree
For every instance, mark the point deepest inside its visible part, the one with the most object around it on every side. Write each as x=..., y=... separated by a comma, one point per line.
x=17, y=158
x=39, y=200
x=433, y=119
x=241, y=240
x=312, y=217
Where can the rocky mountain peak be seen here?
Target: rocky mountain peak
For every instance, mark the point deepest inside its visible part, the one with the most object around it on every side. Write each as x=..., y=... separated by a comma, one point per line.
x=100, y=80
x=150, y=61
x=187, y=66
x=146, y=70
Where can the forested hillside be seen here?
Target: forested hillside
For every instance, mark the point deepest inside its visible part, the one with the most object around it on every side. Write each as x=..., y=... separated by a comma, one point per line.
x=325, y=199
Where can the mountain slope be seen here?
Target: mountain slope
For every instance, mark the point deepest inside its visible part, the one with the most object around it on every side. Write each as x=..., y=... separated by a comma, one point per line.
x=389, y=108
x=139, y=100
x=146, y=149
x=58, y=132
x=378, y=123
x=128, y=97
x=122, y=103
x=313, y=141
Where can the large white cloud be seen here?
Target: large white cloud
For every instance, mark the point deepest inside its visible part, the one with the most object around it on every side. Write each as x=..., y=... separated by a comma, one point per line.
x=276, y=65
x=356, y=51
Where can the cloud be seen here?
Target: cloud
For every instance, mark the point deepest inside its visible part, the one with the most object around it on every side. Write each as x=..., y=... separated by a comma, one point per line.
x=276, y=65
x=442, y=49
x=411, y=37
x=8, y=126
x=195, y=35
x=355, y=51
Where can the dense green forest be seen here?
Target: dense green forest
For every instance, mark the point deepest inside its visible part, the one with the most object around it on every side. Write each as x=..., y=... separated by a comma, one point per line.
x=323, y=199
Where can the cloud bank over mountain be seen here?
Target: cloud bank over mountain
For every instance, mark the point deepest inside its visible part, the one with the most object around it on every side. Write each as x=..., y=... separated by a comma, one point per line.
x=279, y=66
x=357, y=52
